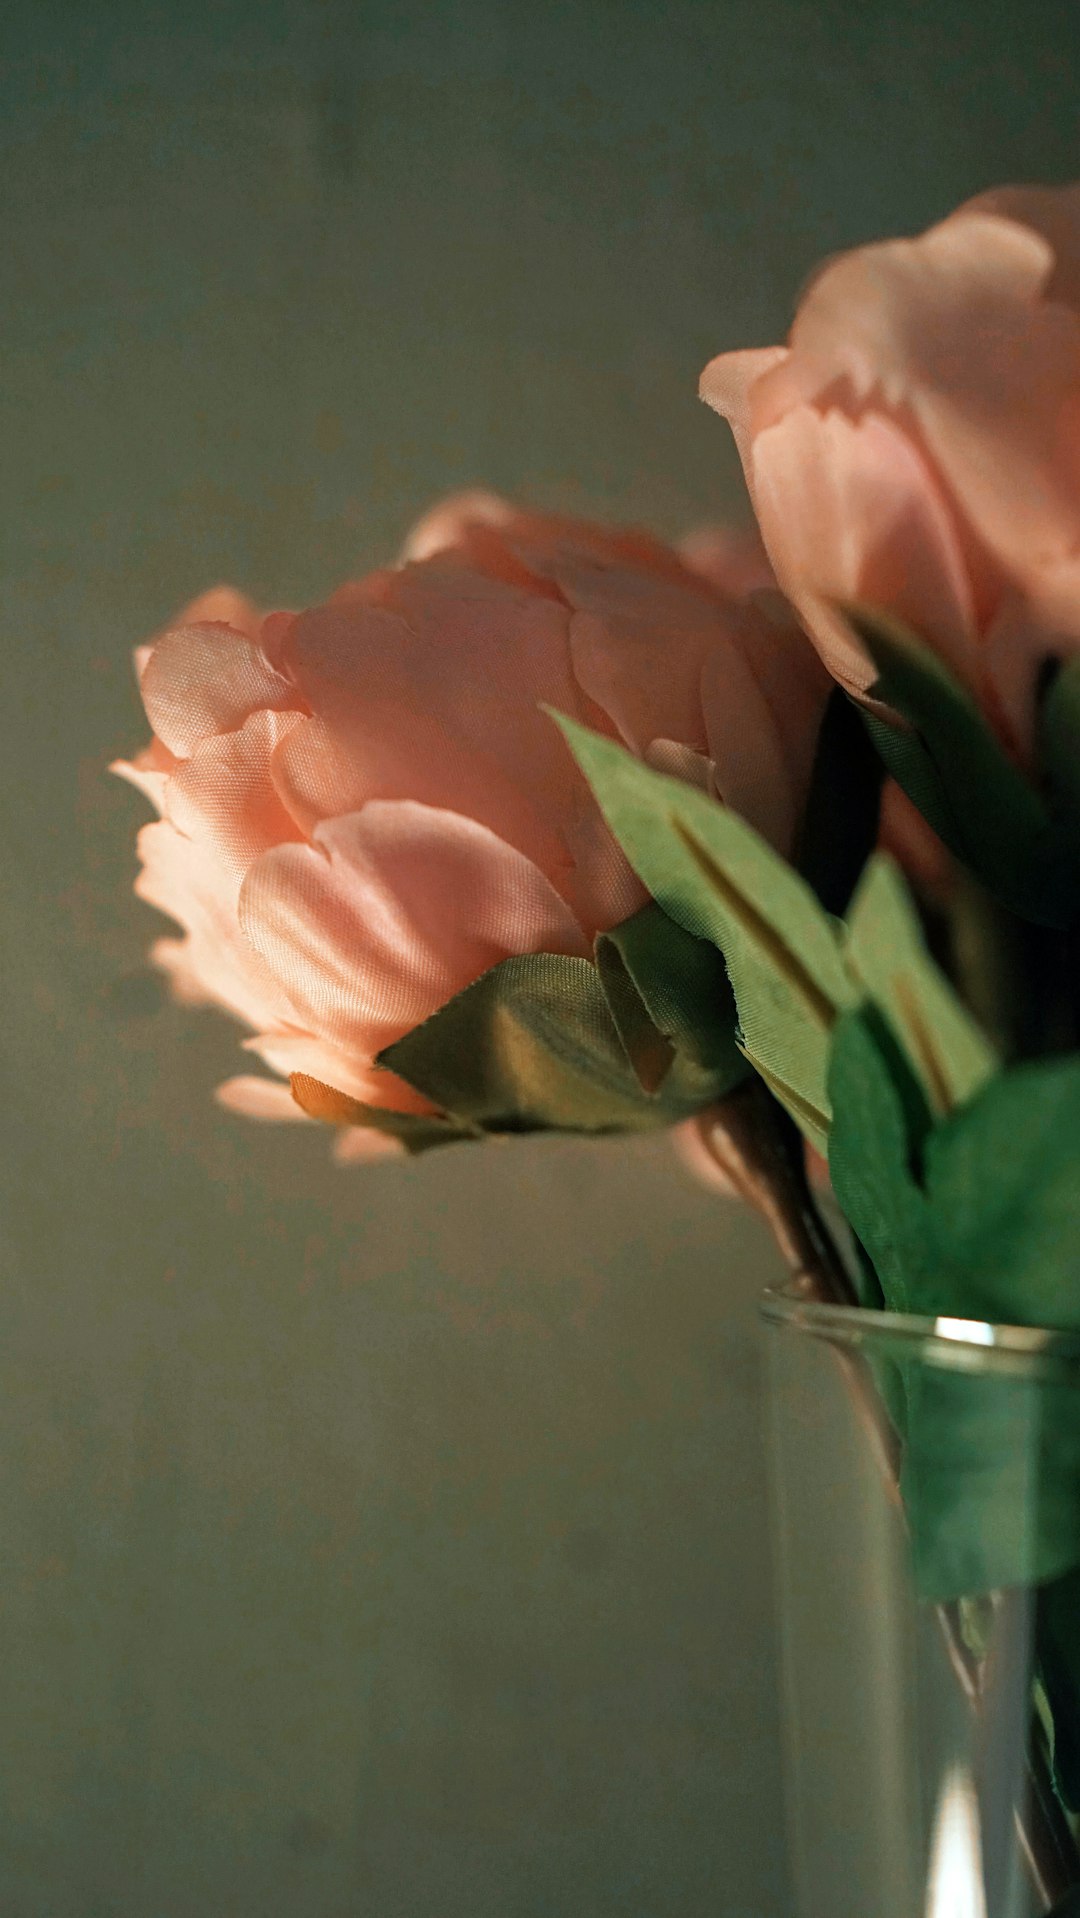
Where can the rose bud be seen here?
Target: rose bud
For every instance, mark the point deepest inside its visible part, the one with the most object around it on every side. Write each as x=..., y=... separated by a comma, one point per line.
x=364, y=809
x=916, y=447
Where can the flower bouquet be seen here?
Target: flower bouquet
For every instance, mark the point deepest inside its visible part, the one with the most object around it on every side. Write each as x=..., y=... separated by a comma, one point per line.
x=771, y=839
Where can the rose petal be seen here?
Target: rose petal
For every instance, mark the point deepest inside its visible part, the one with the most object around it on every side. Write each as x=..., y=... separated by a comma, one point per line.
x=146, y=779
x=517, y=546
x=215, y=963
x=224, y=796
x=204, y=679
x=955, y=328
x=256, y=1098
x=731, y=559
x=439, y=701
x=727, y=385
x=451, y=520
x=850, y=511
x=648, y=690
x=1053, y=212
x=222, y=606
x=392, y=911
x=290, y=1051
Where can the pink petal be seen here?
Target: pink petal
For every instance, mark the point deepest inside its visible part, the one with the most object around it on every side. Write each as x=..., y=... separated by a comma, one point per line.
x=850, y=511
x=893, y=319
x=1053, y=212
x=956, y=327
x=224, y=798
x=393, y=910
x=727, y=385
x=523, y=546
x=222, y=606
x=146, y=779
x=204, y=679
x=448, y=523
x=214, y=963
x=437, y=701
x=290, y=1051
x=256, y=1098
x=272, y=634
x=732, y=559
x=645, y=678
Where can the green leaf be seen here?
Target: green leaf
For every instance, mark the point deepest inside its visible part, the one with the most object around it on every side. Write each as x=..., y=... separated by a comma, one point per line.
x=879, y=1124
x=977, y=1218
x=990, y=1476
x=671, y=1000
x=887, y=954
x=839, y=826
x=1003, y=1186
x=719, y=879
x=417, y=1132
x=530, y=1046
x=953, y=768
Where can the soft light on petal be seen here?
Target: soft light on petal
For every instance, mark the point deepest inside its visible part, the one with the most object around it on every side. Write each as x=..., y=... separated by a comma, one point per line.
x=392, y=911
x=204, y=679
x=224, y=797
x=850, y=511
x=258, y=1098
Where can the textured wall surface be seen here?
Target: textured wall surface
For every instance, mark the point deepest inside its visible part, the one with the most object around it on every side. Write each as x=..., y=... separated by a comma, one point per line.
x=388, y=1544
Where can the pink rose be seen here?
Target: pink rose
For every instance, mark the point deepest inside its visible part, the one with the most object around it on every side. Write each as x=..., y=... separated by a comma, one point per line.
x=916, y=445
x=363, y=807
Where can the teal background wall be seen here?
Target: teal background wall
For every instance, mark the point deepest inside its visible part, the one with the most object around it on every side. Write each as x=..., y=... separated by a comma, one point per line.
x=383, y=1544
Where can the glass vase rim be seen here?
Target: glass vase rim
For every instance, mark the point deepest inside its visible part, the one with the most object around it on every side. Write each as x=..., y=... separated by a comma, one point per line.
x=960, y=1344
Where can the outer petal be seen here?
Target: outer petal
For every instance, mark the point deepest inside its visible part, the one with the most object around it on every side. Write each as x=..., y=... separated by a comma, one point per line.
x=214, y=963
x=148, y=779
x=288, y=1051
x=448, y=523
x=222, y=606
x=732, y=559
x=689, y=1142
x=527, y=546
x=902, y=315
x=392, y=911
x=224, y=798
x=955, y=327
x=1053, y=212
x=203, y=679
x=268, y=1099
x=727, y=385
x=257, y=1098
x=851, y=511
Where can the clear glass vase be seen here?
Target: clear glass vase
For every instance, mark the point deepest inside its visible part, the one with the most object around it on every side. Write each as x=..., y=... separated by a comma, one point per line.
x=926, y=1499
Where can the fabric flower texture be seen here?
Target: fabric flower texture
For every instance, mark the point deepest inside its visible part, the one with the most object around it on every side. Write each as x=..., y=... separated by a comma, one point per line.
x=365, y=807
x=916, y=446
